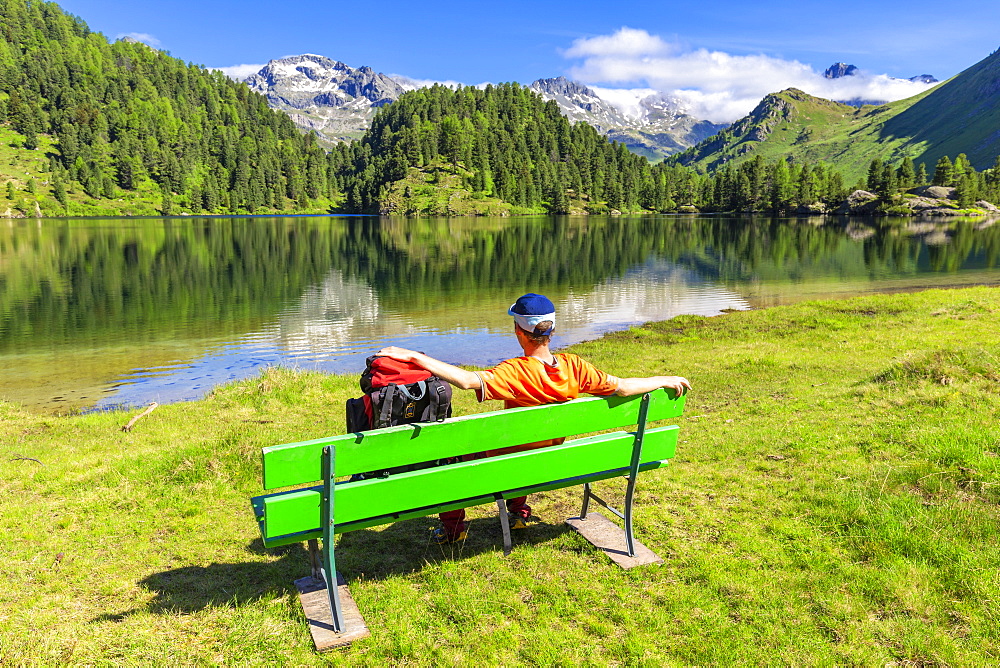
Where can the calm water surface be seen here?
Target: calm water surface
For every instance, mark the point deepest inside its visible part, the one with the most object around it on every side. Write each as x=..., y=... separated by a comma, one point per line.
x=102, y=313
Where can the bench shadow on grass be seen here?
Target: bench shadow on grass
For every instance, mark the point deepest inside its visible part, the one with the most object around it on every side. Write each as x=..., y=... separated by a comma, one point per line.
x=405, y=547
x=373, y=554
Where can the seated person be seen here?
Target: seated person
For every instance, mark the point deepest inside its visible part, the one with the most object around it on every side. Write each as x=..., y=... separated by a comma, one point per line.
x=538, y=377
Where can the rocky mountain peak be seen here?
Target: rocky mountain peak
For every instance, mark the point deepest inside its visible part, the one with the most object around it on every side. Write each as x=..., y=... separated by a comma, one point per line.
x=838, y=70
x=325, y=95
x=561, y=86
x=301, y=81
x=656, y=125
x=132, y=40
x=580, y=103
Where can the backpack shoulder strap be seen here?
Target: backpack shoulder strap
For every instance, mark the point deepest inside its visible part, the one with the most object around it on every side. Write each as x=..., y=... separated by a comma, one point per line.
x=387, y=394
x=440, y=404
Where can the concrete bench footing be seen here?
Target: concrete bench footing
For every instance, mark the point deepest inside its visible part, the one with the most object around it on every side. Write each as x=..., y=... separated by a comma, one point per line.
x=608, y=537
x=316, y=606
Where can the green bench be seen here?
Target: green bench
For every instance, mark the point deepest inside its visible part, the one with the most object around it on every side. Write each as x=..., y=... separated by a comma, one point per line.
x=338, y=506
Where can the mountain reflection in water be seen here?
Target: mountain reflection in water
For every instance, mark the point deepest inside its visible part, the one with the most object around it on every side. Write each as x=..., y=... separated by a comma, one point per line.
x=101, y=313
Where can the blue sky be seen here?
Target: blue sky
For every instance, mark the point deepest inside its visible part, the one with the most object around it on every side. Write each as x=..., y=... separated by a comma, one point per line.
x=718, y=55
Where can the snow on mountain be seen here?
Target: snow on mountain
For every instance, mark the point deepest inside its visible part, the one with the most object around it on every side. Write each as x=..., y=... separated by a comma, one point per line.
x=334, y=99
x=338, y=102
x=648, y=122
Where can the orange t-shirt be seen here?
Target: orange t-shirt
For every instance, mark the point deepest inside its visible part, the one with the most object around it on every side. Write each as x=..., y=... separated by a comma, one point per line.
x=528, y=381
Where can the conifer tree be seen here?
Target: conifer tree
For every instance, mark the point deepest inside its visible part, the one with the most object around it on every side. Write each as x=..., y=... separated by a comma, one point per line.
x=943, y=172
x=921, y=178
x=888, y=184
x=59, y=191
x=991, y=182
x=906, y=175
x=961, y=166
x=780, y=186
x=965, y=190
x=876, y=172
x=806, y=186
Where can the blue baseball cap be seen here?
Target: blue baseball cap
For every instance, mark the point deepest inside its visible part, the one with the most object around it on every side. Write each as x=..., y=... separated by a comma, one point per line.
x=531, y=309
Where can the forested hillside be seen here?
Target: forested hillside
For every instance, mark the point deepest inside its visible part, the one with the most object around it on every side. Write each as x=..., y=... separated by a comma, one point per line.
x=500, y=145
x=125, y=128
x=503, y=149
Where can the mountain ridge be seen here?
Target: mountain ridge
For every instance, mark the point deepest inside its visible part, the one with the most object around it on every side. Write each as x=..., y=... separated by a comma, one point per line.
x=960, y=115
x=338, y=103
x=148, y=133
x=662, y=125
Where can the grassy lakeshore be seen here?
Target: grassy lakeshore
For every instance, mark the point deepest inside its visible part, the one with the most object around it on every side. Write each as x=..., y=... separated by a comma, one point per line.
x=834, y=500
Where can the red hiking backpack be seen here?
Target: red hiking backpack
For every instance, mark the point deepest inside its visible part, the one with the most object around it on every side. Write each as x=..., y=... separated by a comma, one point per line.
x=397, y=393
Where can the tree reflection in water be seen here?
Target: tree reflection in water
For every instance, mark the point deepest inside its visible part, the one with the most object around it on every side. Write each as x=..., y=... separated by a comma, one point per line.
x=94, y=312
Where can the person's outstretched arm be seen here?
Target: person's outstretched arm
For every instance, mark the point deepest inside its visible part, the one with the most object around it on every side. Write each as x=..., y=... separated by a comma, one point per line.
x=630, y=386
x=467, y=380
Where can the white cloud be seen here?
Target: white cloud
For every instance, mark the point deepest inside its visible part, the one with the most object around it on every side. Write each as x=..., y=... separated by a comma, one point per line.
x=239, y=72
x=716, y=85
x=625, y=42
x=626, y=99
x=141, y=37
x=409, y=83
x=866, y=86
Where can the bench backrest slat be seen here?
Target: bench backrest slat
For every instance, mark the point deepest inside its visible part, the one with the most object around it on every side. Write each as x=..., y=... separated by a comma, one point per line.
x=317, y=532
x=299, y=463
x=300, y=511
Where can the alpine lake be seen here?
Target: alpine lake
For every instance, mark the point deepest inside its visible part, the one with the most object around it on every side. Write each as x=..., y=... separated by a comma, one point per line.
x=109, y=313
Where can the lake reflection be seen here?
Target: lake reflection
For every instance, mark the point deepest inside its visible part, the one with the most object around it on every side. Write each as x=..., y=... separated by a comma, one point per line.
x=100, y=313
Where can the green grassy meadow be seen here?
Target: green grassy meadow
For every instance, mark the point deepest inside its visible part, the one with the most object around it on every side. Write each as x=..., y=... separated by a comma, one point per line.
x=834, y=501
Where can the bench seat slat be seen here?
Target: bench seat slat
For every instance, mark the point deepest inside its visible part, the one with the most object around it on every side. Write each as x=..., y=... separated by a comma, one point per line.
x=299, y=463
x=297, y=512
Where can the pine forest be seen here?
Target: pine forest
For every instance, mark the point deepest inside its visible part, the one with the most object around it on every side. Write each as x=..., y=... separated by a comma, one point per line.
x=90, y=127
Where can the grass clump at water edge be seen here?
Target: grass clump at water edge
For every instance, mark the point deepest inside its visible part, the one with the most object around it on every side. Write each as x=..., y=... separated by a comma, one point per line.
x=834, y=500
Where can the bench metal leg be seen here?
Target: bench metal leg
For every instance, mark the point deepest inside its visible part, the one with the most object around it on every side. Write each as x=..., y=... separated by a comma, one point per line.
x=633, y=474
x=599, y=500
x=504, y=523
x=329, y=567
x=604, y=534
x=586, y=500
x=629, y=536
x=588, y=493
